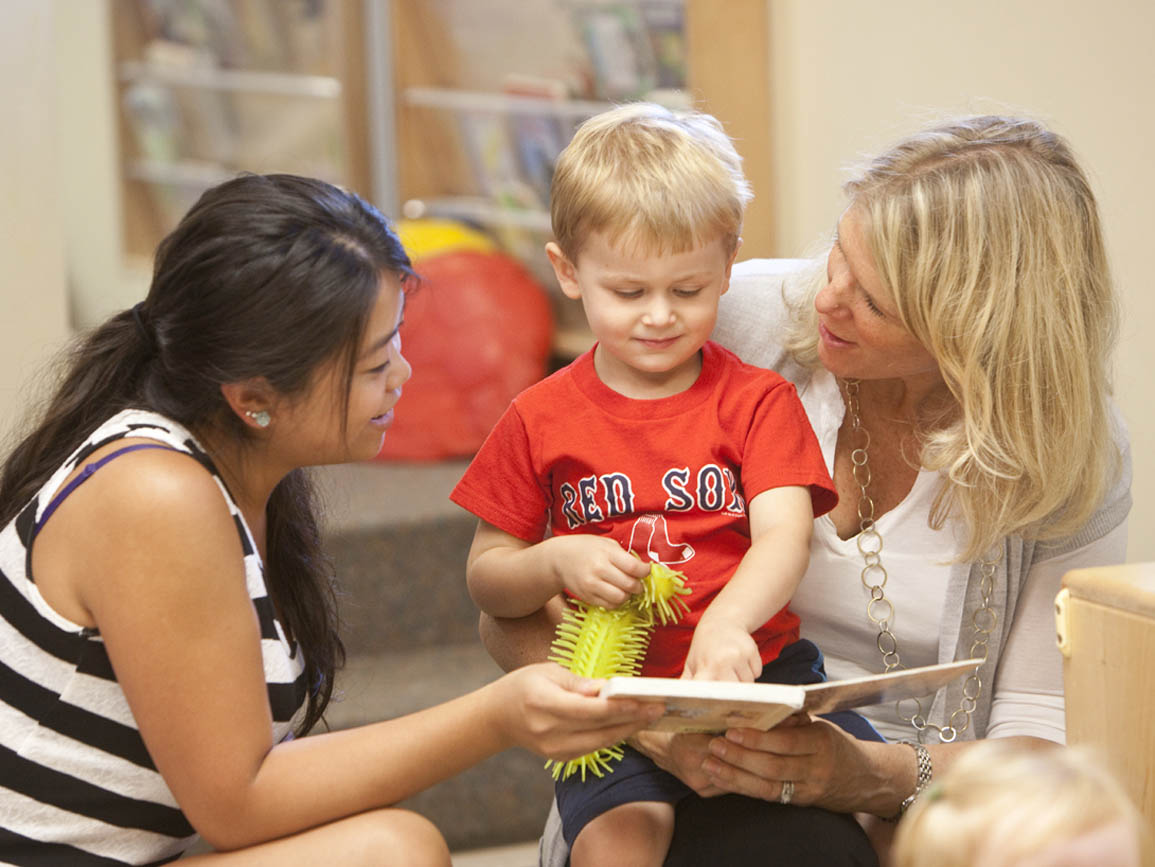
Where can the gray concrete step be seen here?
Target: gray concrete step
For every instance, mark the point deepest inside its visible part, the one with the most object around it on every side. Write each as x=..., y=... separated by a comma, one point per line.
x=399, y=546
x=404, y=586
x=501, y=801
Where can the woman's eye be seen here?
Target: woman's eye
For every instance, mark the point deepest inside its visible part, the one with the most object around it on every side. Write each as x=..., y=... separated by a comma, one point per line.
x=874, y=308
x=378, y=369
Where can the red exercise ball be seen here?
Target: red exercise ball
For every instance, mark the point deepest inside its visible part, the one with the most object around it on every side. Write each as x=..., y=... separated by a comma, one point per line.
x=477, y=332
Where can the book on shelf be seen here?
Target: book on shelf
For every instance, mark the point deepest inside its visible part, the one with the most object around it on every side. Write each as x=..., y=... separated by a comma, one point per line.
x=666, y=26
x=538, y=137
x=619, y=50
x=714, y=706
x=272, y=35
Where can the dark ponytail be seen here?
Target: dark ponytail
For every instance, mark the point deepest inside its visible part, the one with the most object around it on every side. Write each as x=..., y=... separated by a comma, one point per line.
x=103, y=370
x=266, y=276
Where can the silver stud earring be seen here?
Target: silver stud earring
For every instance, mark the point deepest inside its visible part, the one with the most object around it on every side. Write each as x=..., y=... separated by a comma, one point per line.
x=260, y=416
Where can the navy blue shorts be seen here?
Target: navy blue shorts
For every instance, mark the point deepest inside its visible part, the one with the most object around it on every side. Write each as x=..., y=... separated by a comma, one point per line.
x=636, y=778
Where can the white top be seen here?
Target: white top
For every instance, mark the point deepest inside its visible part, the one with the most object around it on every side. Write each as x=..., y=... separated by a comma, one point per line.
x=77, y=784
x=831, y=600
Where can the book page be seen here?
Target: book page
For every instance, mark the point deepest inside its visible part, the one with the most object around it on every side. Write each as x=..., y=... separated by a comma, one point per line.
x=877, y=688
x=710, y=705
x=714, y=706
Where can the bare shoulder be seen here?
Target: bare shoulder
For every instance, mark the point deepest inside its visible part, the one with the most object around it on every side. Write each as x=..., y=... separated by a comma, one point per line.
x=159, y=477
x=152, y=490
x=121, y=526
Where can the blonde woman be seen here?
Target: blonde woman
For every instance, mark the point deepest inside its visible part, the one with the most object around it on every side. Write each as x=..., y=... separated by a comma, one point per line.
x=1005, y=807
x=952, y=354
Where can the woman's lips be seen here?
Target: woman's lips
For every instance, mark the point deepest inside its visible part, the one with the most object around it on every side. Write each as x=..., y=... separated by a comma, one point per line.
x=382, y=421
x=830, y=338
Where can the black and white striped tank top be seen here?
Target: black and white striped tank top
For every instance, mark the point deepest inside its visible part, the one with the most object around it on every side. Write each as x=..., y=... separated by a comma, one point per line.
x=77, y=785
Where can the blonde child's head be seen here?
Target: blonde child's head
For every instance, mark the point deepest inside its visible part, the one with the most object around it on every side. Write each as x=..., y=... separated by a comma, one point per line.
x=651, y=178
x=1005, y=806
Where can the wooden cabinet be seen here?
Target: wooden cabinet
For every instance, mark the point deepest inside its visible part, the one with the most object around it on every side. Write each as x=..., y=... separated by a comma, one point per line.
x=210, y=89
x=487, y=93
x=427, y=107
x=1105, y=620
x=461, y=71
x=728, y=69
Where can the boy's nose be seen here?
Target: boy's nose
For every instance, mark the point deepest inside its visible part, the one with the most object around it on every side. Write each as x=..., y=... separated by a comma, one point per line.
x=660, y=312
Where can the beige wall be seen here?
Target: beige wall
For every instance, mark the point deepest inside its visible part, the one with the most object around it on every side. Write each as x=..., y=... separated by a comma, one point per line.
x=101, y=279
x=33, y=309
x=849, y=77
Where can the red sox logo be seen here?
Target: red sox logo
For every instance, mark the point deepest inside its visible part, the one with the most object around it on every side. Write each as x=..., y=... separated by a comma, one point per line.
x=650, y=540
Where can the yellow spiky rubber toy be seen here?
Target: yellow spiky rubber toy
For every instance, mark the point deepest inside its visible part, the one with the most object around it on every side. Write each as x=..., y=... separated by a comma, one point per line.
x=597, y=642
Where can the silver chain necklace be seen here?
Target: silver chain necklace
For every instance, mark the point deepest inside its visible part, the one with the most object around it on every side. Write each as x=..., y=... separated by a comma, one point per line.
x=880, y=610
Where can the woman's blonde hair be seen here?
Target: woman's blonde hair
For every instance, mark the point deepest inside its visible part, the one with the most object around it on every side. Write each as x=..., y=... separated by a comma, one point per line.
x=661, y=180
x=999, y=804
x=986, y=231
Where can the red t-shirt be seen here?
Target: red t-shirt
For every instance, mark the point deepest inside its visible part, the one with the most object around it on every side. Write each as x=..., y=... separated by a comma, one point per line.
x=668, y=478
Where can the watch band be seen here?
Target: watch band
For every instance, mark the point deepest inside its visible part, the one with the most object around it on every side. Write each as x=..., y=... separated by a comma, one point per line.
x=924, y=771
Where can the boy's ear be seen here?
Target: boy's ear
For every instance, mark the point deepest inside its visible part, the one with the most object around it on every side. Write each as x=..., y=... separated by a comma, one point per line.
x=564, y=270
x=730, y=264
x=250, y=395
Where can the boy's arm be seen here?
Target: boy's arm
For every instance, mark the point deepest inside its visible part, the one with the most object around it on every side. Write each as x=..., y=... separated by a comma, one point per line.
x=517, y=641
x=781, y=521
x=510, y=577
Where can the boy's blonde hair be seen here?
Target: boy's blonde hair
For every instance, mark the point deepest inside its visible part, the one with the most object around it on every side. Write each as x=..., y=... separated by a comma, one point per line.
x=653, y=178
x=1000, y=804
x=986, y=231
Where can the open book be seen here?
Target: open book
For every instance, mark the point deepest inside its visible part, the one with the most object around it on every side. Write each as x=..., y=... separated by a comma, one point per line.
x=715, y=705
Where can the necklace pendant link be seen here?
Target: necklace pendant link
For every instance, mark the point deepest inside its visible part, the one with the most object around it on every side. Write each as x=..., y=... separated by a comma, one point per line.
x=880, y=610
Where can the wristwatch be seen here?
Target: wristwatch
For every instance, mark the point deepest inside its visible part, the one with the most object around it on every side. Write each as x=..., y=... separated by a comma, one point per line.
x=925, y=770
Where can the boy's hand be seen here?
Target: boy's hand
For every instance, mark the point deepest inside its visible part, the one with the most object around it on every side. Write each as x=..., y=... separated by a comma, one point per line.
x=722, y=650
x=597, y=569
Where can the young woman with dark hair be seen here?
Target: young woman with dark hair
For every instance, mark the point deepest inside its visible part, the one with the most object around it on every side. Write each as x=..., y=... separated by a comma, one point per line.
x=167, y=625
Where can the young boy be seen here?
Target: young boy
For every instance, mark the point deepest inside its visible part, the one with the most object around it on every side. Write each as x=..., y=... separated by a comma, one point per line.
x=655, y=445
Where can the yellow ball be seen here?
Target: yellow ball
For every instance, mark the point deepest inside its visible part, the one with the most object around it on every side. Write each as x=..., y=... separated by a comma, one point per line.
x=429, y=237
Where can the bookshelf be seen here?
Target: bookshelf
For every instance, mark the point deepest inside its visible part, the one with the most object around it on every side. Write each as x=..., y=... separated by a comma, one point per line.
x=452, y=108
x=473, y=85
x=206, y=90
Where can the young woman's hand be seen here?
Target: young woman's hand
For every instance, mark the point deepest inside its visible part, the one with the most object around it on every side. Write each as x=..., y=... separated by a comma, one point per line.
x=558, y=715
x=596, y=569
